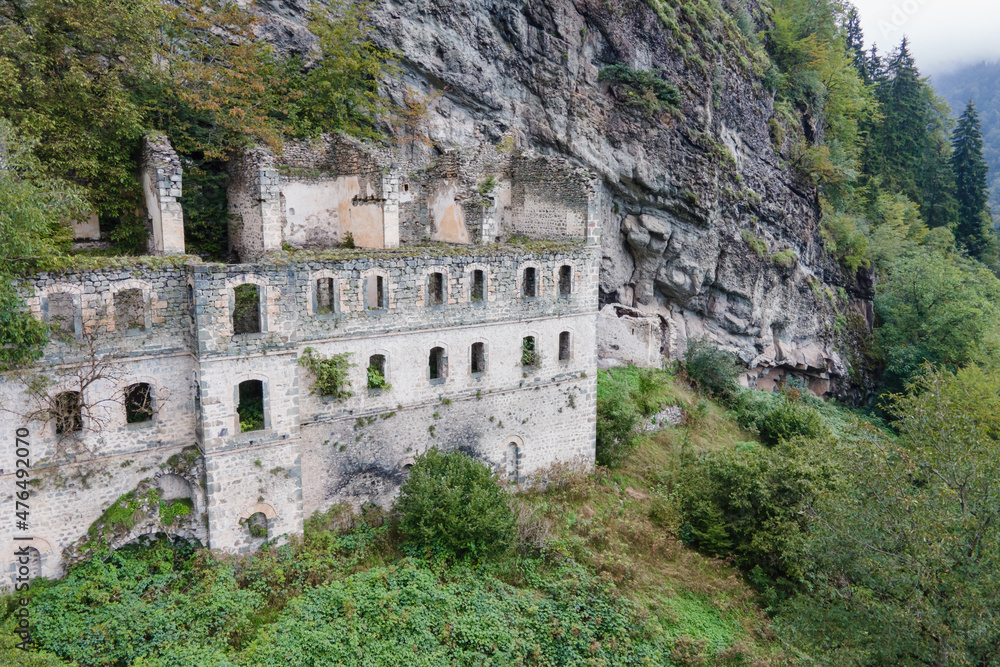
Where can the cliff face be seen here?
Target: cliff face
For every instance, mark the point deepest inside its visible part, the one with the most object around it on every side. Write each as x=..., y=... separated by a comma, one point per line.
x=698, y=202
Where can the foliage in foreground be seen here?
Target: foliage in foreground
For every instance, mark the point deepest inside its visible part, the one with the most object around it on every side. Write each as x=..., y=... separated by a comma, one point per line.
x=452, y=504
x=907, y=556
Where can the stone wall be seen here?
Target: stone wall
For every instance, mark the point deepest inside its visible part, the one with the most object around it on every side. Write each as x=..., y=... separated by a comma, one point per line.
x=161, y=185
x=175, y=332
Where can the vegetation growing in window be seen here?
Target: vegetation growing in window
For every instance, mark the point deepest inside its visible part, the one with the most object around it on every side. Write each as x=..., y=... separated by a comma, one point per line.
x=330, y=373
x=529, y=355
x=246, y=309
x=642, y=89
x=376, y=373
x=250, y=409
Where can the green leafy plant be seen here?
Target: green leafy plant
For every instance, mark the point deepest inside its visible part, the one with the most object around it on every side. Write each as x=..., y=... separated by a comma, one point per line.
x=376, y=380
x=642, y=89
x=452, y=504
x=758, y=245
x=714, y=371
x=330, y=373
x=169, y=511
x=786, y=258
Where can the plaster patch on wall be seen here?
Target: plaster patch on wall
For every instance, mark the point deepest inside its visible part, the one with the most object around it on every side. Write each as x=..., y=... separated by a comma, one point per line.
x=447, y=217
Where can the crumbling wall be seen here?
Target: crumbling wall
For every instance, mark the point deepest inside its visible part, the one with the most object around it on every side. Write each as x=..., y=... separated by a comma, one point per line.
x=161, y=185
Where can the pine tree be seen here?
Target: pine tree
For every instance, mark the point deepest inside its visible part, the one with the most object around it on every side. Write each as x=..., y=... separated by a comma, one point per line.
x=855, y=43
x=970, y=171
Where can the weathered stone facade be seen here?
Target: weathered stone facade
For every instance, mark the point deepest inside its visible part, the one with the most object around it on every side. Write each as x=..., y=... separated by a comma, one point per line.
x=446, y=325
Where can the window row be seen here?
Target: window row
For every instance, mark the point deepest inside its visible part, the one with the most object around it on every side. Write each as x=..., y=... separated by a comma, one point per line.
x=132, y=313
x=66, y=408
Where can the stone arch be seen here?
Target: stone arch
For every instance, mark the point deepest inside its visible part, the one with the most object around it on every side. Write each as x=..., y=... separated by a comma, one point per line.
x=41, y=561
x=539, y=279
x=144, y=287
x=470, y=271
x=388, y=365
x=312, y=292
x=574, y=277
x=159, y=394
x=437, y=360
x=424, y=296
x=263, y=296
x=266, y=509
x=40, y=305
x=266, y=400
x=194, y=487
x=513, y=458
x=368, y=293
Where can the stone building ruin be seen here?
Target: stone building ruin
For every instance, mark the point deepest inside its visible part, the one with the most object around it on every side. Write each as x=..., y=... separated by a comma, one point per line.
x=471, y=300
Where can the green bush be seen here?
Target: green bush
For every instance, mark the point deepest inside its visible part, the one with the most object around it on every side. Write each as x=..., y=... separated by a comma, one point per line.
x=712, y=370
x=454, y=505
x=643, y=89
x=617, y=429
x=750, y=501
x=788, y=420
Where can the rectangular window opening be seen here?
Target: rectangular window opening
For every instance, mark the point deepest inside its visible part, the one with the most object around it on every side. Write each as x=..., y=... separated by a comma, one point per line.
x=478, y=358
x=138, y=403
x=130, y=310
x=376, y=293
x=530, y=283
x=564, y=346
x=246, y=310
x=376, y=372
x=435, y=290
x=324, y=296
x=529, y=355
x=68, y=413
x=565, y=280
x=62, y=314
x=251, y=406
x=478, y=285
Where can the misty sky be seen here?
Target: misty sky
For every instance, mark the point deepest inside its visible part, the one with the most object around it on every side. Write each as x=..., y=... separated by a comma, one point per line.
x=944, y=33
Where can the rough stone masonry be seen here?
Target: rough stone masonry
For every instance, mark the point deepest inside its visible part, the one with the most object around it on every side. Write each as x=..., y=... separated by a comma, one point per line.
x=175, y=388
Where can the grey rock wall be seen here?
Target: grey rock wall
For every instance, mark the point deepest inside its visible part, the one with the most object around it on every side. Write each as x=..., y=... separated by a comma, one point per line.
x=681, y=189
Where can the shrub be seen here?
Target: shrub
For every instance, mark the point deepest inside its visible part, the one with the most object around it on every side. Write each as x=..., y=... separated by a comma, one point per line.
x=643, y=89
x=749, y=501
x=453, y=504
x=617, y=428
x=330, y=373
x=712, y=370
x=788, y=420
x=786, y=258
x=758, y=245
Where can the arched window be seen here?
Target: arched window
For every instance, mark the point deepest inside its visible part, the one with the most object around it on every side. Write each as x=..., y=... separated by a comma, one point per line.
x=30, y=565
x=68, y=412
x=478, y=292
x=529, y=283
x=565, y=350
x=246, y=309
x=251, y=406
x=565, y=280
x=438, y=364
x=513, y=463
x=529, y=353
x=138, y=403
x=378, y=379
x=478, y=361
x=326, y=302
x=436, y=295
x=257, y=526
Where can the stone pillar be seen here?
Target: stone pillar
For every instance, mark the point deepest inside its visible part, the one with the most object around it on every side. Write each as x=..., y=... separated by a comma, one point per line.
x=390, y=208
x=254, y=195
x=595, y=212
x=161, y=185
